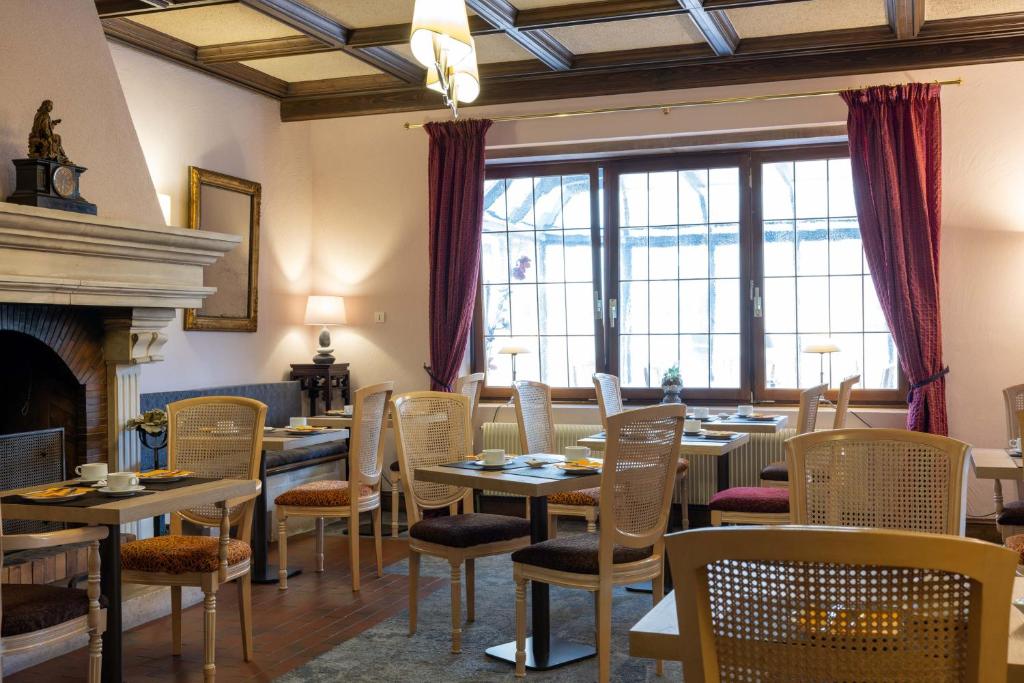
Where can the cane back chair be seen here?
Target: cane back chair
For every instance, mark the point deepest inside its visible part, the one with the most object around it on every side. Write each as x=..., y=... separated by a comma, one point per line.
x=776, y=474
x=212, y=436
x=609, y=396
x=639, y=470
x=334, y=499
x=840, y=604
x=434, y=428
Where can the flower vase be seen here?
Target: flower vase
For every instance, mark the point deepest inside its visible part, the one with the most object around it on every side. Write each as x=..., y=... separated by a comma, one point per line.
x=672, y=392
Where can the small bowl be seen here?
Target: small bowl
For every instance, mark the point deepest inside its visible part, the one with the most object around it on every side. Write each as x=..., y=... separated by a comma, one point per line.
x=536, y=464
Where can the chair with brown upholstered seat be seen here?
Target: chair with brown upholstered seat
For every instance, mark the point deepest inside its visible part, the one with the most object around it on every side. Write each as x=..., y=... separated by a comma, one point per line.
x=434, y=428
x=1010, y=520
x=333, y=499
x=640, y=462
x=609, y=396
x=537, y=435
x=41, y=617
x=840, y=604
x=212, y=436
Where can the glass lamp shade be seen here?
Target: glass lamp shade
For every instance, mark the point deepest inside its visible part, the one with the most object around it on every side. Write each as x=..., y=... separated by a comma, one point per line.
x=445, y=22
x=325, y=310
x=465, y=77
x=822, y=347
x=513, y=349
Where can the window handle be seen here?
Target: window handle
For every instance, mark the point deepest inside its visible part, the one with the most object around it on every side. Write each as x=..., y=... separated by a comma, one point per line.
x=758, y=304
x=613, y=311
x=598, y=306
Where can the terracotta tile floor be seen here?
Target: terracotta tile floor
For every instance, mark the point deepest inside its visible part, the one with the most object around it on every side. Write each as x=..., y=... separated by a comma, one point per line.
x=317, y=612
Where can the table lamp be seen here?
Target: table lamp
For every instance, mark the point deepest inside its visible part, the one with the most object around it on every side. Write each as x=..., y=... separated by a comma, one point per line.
x=324, y=311
x=821, y=348
x=513, y=350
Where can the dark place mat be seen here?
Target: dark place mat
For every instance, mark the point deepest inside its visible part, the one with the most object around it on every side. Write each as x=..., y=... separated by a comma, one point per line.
x=473, y=465
x=740, y=418
x=97, y=498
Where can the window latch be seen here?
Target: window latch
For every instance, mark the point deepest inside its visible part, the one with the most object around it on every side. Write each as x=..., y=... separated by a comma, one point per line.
x=758, y=307
x=598, y=306
x=613, y=311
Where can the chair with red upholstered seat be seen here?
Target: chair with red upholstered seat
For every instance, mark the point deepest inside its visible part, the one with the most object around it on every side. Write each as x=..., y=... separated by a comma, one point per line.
x=333, y=499
x=776, y=473
x=212, y=436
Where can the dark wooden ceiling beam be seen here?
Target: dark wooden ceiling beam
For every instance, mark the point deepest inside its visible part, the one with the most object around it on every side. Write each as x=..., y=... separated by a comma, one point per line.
x=501, y=14
x=906, y=17
x=261, y=49
x=715, y=26
x=116, y=8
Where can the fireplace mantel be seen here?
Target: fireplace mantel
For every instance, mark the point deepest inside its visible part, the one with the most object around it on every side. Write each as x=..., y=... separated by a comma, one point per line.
x=58, y=257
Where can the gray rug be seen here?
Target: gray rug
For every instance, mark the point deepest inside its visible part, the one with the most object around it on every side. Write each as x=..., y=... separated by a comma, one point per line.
x=387, y=653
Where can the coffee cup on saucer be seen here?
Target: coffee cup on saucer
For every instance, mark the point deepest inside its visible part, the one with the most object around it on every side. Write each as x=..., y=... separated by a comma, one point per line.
x=691, y=426
x=701, y=413
x=122, y=481
x=92, y=472
x=294, y=422
x=494, y=456
x=745, y=410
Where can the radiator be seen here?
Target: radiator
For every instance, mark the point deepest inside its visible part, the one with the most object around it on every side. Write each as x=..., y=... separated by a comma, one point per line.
x=505, y=435
x=745, y=465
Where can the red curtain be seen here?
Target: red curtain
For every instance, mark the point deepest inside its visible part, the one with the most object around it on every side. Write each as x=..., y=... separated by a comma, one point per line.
x=456, y=215
x=896, y=153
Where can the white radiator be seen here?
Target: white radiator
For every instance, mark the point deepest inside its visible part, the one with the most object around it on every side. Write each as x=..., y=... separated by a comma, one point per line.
x=505, y=435
x=745, y=465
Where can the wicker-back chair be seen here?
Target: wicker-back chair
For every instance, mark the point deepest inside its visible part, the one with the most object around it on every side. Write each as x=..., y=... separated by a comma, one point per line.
x=881, y=478
x=775, y=474
x=537, y=435
x=1013, y=401
x=803, y=604
x=609, y=396
x=807, y=417
x=434, y=428
x=843, y=401
x=640, y=468
x=1010, y=519
x=212, y=436
x=337, y=499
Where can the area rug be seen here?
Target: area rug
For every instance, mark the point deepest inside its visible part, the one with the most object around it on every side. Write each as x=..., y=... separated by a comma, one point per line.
x=386, y=652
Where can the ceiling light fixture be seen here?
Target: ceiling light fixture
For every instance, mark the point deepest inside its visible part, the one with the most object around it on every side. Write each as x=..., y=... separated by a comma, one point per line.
x=440, y=41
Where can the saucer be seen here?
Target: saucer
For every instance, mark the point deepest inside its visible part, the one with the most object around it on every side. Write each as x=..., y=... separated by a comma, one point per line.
x=124, y=493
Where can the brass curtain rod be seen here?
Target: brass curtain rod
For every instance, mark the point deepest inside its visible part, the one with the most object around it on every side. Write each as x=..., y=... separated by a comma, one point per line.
x=679, y=105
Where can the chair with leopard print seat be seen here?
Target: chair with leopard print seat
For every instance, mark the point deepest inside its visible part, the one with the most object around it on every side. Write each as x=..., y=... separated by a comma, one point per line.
x=333, y=499
x=434, y=428
x=537, y=435
x=638, y=477
x=211, y=436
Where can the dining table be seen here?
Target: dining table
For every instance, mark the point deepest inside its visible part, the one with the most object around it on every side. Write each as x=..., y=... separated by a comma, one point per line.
x=542, y=651
x=996, y=464
x=96, y=509
x=656, y=635
x=734, y=422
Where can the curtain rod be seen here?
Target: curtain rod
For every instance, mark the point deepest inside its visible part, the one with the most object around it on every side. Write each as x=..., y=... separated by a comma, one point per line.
x=666, y=108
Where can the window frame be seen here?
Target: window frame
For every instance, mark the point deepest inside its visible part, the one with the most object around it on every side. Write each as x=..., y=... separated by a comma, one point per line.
x=604, y=174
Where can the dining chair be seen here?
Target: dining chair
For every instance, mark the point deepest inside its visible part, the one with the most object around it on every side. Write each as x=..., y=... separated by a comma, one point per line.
x=40, y=617
x=776, y=474
x=537, y=435
x=434, y=428
x=1010, y=520
x=609, y=396
x=467, y=385
x=882, y=478
x=218, y=437
x=840, y=604
x=334, y=499
x=640, y=461
x=843, y=401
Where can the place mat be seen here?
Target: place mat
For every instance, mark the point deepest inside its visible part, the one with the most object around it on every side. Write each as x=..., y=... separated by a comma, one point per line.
x=1012, y=453
x=715, y=437
x=550, y=472
x=97, y=498
x=513, y=464
x=744, y=419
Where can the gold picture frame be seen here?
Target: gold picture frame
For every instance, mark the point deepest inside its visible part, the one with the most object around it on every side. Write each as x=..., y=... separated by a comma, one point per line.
x=232, y=206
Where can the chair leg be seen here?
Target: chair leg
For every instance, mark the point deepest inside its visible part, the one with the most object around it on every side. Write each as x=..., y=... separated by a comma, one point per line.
x=716, y=518
x=176, y=621
x=520, y=627
x=320, y=544
x=604, y=633
x=658, y=592
x=395, y=481
x=527, y=501
x=209, y=633
x=282, y=551
x=552, y=526
x=414, y=579
x=591, y=517
x=245, y=614
x=353, y=548
x=95, y=655
x=456, y=568
x=378, y=546
x=470, y=590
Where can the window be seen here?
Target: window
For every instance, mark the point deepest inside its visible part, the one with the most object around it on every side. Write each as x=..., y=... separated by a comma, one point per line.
x=726, y=265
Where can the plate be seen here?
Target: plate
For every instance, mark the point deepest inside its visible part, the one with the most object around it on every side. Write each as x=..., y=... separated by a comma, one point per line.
x=123, y=494
x=758, y=417
x=304, y=432
x=166, y=476
x=573, y=468
x=52, y=495
x=717, y=436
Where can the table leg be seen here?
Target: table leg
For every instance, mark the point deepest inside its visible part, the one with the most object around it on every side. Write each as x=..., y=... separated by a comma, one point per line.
x=997, y=490
x=542, y=652
x=110, y=586
x=722, y=472
x=262, y=572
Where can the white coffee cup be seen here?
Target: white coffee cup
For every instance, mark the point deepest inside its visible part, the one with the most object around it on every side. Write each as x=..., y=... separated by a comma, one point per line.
x=701, y=412
x=745, y=410
x=93, y=471
x=691, y=426
x=494, y=456
x=122, y=481
x=296, y=422
x=576, y=453
x=1015, y=444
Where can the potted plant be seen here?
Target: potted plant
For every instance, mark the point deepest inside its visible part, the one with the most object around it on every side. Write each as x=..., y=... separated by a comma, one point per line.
x=672, y=385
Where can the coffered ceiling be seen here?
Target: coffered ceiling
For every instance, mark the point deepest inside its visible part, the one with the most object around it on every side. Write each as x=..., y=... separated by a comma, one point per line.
x=329, y=58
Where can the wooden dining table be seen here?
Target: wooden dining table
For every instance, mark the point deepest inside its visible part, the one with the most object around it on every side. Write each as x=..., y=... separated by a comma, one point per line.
x=542, y=651
x=996, y=464
x=656, y=635
x=114, y=512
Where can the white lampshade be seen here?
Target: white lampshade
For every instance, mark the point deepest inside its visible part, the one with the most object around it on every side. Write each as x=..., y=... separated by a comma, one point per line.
x=511, y=349
x=444, y=21
x=466, y=77
x=822, y=347
x=325, y=310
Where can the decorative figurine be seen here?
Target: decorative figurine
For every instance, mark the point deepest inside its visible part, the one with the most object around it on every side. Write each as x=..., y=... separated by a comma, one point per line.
x=47, y=178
